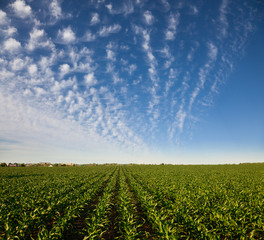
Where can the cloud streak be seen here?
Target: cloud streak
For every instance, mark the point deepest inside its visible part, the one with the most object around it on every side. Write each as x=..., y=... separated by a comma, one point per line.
x=172, y=26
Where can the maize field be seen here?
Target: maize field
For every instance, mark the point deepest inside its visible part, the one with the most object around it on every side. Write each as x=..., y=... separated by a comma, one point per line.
x=133, y=202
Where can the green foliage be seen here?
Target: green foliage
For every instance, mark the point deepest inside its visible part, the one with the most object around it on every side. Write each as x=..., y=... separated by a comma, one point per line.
x=202, y=202
x=98, y=221
x=127, y=220
x=178, y=202
x=36, y=200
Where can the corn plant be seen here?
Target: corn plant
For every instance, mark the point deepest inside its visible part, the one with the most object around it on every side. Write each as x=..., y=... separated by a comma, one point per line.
x=98, y=220
x=127, y=220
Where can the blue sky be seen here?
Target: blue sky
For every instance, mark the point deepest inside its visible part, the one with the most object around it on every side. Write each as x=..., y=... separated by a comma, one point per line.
x=132, y=81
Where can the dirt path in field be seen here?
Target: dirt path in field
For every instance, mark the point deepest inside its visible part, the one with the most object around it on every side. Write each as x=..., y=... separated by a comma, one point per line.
x=148, y=232
x=76, y=230
x=112, y=230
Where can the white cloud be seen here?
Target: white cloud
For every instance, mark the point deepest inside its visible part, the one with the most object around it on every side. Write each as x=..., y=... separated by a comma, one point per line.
x=174, y=21
x=58, y=86
x=193, y=97
x=51, y=97
x=132, y=68
x=194, y=10
x=124, y=47
x=111, y=45
x=137, y=81
x=153, y=109
x=55, y=9
x=181, y=115
x=223, y=18
x=32, y=69
x=149, y=19
x=116, y=78
x=17, y=64
x=190, y=55
x=36, y=34
x=173, y=73
x=66, y=35
x=109, y=68
x=169, y=35
x=3, y=62
x=168, y=86
x=21, y=9
x=166, y=4
x=46, y=62
x=88, y=37
x=4, y=74
x=12, y=45
x=166, y=53
x=123, y=62
x=203, y=72
x=81, y=59
x=146, y=37
x=38, y=39
x=105, y=31
x=90, y=79
x=3, y=18
x=64, y=69
x=212, y=51
x=109, y=7
x=123, y=90
x=172, y=28
x=110, y=55
x=125, y=8
x=35, y=127
x=10, y=31
x=178, y=124
x=95, y=19
x=150, y=57
x=39, y=91
x=69, y=96
x=27, y=92
x=85, y=66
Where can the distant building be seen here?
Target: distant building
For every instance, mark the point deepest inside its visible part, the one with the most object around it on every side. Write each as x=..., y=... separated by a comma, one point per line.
x=12, y=165
x=69, y=164
x=44, y=163
x=29, y=164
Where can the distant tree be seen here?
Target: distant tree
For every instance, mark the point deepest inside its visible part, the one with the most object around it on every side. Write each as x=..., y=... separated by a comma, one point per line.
x=3, y=164
x=55, y=164
x=22, y=165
